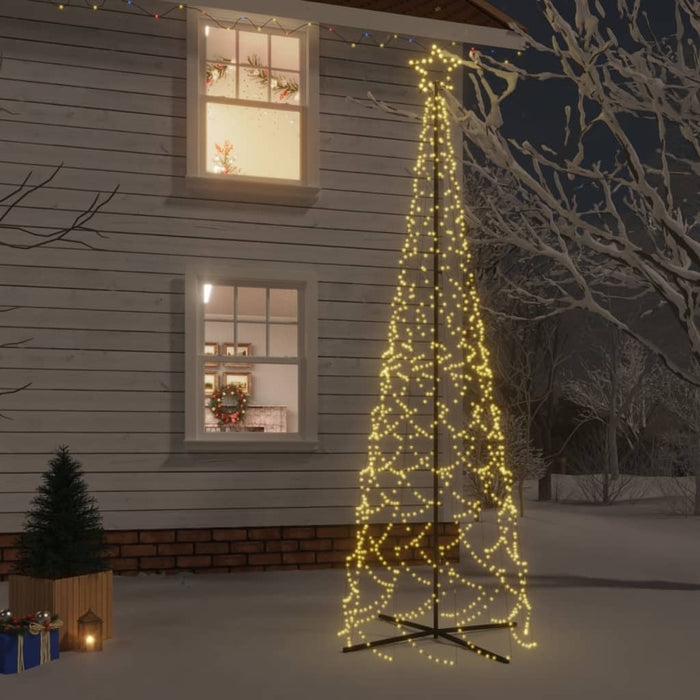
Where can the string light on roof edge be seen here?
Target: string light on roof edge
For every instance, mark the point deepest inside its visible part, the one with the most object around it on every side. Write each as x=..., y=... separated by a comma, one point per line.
x=397, y=519
x=372, y=39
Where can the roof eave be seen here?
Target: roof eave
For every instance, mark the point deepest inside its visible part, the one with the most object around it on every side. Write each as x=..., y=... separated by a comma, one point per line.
x=496, y=14
x=438, y=30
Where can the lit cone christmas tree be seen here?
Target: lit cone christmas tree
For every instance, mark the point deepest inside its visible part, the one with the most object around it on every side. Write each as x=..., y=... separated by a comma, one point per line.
x=435, y=421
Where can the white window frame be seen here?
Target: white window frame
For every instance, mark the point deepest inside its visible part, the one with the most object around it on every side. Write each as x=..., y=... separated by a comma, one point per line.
x=257, y=189
x=270, y=275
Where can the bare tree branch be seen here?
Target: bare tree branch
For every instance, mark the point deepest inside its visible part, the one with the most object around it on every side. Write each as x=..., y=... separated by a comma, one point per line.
x=36, y=235
x=621, y=229
x=7, y=392
x=15, y=343
x=22, y=237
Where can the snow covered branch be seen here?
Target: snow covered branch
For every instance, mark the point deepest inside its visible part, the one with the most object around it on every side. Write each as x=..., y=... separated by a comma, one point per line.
x=610, y=219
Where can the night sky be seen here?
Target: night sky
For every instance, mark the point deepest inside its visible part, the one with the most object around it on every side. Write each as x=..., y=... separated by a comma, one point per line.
x=528, y=12
x=535, y=112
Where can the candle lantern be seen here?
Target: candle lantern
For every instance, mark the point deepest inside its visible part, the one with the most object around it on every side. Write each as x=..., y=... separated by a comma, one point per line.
x=90, y=632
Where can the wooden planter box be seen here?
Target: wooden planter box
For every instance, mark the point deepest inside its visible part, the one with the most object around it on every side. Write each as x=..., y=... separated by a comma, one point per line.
x=69, y=598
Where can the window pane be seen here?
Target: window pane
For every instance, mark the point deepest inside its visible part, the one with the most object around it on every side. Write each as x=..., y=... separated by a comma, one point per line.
x=224, y=408
x=283, y=340
x=218, y=337
x=285, y=70
x=219, y=66
x=251, y=336
x=218, y=318
x=219, y=375
x=253, y=141
x=221, y=44
x=283, y=304
x=285, y=87
x=272, y=398
x=253, y=44
x=254, y=66
x=220, y=79
x=251, y=303
x=218, y=300
x=274, y=403
x=285, y=53
x=212, y=380
x=238, y=378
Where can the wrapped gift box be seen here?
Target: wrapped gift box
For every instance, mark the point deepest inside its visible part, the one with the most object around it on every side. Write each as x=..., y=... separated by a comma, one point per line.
x=31, y=650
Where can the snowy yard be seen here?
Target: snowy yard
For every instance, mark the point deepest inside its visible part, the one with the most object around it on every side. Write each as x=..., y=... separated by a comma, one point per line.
x=616, y=596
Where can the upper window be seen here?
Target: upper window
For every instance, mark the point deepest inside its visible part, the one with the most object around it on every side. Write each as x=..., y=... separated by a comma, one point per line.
x=252, y=102
x=251, y=358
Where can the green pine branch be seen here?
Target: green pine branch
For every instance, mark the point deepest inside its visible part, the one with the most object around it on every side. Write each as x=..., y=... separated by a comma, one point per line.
x=63, y=533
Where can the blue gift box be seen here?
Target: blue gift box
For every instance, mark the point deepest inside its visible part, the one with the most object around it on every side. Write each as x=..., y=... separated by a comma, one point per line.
x=9, y=648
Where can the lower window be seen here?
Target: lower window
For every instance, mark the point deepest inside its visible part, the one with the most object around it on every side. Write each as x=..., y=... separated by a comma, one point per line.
x=251, y=359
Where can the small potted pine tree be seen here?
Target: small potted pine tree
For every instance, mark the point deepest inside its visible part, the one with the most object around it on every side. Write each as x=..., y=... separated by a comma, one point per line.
x=62, y=565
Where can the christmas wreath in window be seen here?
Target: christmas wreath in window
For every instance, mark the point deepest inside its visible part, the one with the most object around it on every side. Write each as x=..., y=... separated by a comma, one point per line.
x=229, y=404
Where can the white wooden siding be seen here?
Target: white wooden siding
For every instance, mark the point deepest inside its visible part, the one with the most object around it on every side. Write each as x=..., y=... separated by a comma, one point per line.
x=104, y=94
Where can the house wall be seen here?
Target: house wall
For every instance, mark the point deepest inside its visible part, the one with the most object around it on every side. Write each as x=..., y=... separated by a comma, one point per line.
x=104, y=94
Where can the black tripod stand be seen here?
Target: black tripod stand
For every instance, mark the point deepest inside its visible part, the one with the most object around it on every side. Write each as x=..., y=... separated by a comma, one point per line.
x=435, y=631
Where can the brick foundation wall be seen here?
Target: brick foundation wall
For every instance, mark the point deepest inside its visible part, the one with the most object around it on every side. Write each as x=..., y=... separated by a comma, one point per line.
x=223, y=550
x=8, y=555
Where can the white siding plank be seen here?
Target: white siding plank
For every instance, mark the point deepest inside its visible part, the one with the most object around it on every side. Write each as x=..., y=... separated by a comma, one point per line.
x=58, y=49
x=175, y=263
x=116, y=31
x=126, y=520
x=133, y=464
x=17, y=92
x=130, y=443
x=201, y=481
x=35, y=399
x=43, y=377
x=92, y=360
x=96, y=414
x=129, y=84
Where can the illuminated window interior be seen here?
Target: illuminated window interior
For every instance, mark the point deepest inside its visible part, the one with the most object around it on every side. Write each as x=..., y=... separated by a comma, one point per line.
x=251, y=341
x=252, y=85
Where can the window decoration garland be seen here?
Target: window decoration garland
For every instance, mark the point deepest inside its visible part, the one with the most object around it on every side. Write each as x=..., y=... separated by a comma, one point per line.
x=216, y=71
x=283, y=85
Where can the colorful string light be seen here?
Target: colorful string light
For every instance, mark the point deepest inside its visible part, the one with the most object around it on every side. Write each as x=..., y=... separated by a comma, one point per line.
x=394, y=518
x=379, y=40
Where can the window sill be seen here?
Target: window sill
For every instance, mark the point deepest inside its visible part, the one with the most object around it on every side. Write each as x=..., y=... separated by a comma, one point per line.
x=240, y=444
x=260, y=191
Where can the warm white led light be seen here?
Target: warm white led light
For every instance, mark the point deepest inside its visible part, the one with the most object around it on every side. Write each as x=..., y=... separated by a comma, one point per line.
x=207, y=293
x=394, y=518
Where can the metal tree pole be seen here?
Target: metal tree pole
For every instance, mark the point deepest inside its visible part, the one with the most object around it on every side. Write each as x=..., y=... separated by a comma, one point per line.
x=436, y=365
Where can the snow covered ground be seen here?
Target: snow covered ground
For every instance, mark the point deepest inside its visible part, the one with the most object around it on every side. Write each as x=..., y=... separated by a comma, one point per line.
x=616, y=596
